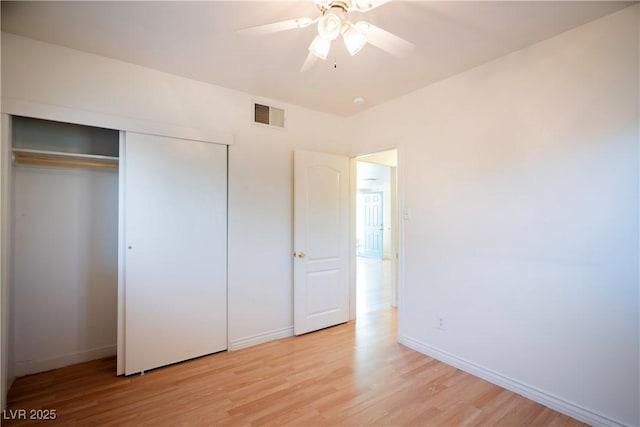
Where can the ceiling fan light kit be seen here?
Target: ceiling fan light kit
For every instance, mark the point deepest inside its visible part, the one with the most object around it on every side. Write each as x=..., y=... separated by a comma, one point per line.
x=320, y=47
x=354, y=40
x=332, y=23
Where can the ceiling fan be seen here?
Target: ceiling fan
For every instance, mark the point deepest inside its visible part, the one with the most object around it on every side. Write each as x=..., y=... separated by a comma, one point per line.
x=332, y=23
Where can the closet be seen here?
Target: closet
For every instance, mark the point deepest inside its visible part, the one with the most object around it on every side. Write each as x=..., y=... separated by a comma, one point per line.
x=119, y=245
x=65, y=243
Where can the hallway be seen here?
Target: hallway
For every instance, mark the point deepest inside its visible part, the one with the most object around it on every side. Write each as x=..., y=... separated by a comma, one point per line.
x=373, y=285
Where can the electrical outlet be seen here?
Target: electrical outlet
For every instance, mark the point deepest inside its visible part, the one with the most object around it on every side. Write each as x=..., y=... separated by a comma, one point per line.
x=441, y=323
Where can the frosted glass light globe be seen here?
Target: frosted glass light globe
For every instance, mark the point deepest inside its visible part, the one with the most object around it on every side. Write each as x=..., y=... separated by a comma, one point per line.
x=329, y=26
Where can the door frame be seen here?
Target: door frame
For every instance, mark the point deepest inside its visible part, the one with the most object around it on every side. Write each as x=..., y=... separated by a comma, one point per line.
x=397, y=232
x=120, y=338
x=6, y=324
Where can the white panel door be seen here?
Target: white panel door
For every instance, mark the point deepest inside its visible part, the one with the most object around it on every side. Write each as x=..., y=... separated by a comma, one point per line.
x=321, y=241
x=176, y=250
x=373, y=225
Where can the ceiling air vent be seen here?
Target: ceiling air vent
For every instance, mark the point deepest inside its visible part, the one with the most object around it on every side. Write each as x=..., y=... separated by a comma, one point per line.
x=268, y=115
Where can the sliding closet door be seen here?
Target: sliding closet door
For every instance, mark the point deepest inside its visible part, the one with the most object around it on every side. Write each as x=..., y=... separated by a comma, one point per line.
x=175, y=208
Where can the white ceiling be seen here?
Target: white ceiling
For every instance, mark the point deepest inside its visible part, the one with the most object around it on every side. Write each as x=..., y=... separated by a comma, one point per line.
x=197, y=40
x=386, y=158
x=371, y=176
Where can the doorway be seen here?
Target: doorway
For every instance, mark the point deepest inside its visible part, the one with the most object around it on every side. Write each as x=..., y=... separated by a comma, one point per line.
x=376, y=220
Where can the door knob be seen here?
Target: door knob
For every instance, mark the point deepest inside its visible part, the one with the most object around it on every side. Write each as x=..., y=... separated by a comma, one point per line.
x=299, y=254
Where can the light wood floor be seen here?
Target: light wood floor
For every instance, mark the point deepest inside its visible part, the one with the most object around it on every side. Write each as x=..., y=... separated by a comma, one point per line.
x=373, y=284
x=351, y=374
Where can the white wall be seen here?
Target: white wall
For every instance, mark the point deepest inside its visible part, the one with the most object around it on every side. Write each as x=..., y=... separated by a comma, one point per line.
x=260, y=159
x=66, y=266
x=521, y=180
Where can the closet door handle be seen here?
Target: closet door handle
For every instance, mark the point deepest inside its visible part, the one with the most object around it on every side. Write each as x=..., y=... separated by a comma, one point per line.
x=130, y=247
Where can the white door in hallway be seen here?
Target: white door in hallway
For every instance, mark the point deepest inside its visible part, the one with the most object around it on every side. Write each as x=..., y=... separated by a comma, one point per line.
x=373, y=225
x=321, y=241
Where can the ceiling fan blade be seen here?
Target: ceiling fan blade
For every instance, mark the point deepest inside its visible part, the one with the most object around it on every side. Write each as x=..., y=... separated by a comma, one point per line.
x=366, y=5
x=289, y=24
x=384, y=40
x=309, y=62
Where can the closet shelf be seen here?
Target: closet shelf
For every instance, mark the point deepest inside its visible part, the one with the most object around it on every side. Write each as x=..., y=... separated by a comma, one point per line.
x=24, y=155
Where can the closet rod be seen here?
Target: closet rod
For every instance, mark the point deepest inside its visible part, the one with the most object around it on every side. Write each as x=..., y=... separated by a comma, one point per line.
x=22, y=158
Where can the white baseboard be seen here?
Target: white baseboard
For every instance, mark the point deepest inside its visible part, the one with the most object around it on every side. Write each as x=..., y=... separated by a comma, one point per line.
x=27, y=367
x=532, y=393
x=260, y=338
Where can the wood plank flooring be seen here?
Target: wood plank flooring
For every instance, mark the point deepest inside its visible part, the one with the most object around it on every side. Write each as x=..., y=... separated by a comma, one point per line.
x=351, y=374
x=373, y=284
